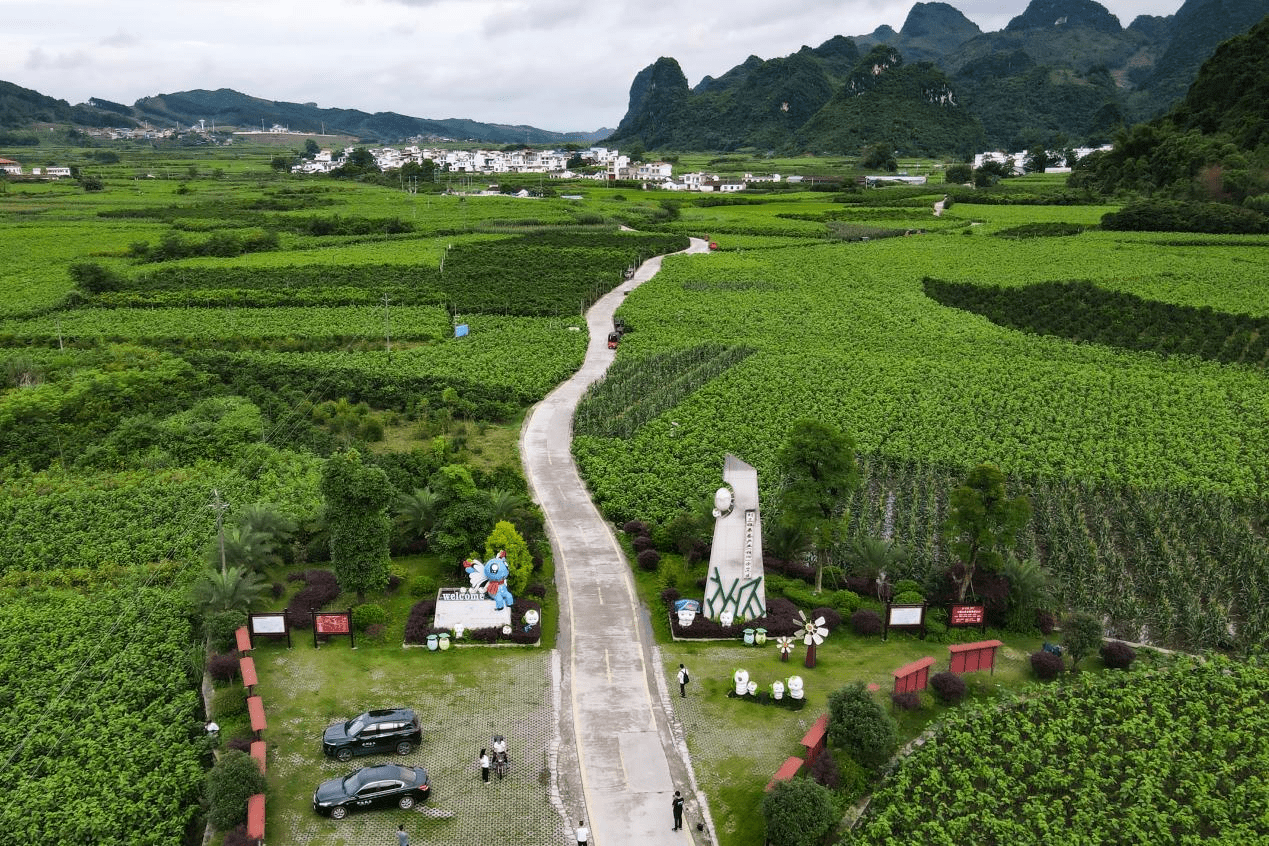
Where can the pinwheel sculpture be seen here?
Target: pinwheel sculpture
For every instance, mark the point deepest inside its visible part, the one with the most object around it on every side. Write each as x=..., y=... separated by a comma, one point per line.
x=785, y=645
x=812, y=633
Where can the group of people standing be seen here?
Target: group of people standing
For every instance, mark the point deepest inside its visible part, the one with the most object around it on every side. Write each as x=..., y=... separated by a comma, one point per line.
x=499, y=758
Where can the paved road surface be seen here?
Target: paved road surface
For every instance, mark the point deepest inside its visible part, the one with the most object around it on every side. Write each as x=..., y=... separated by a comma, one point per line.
x=614, y=722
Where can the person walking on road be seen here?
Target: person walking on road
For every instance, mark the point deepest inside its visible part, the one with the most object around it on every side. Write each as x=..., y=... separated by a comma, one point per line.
x=484, y=766
x=683, y=680
x=583, y=833
x=403, y=839
x=678, y=810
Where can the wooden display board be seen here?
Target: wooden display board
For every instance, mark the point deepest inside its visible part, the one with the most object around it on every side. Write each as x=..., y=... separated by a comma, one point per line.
x=333, y=623
x=909, y=617
x=271, y=624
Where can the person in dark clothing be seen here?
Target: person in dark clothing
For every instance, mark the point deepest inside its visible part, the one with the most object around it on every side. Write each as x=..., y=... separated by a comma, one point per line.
x=678, y=810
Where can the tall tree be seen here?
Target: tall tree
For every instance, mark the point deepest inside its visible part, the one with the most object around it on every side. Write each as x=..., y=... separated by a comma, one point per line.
x=519, y=558
x=357, y=497
x=981, y=524
x=819, y=475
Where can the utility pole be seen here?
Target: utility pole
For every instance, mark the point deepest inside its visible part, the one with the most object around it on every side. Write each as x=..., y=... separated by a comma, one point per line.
x=387, y=328
x=220, y=506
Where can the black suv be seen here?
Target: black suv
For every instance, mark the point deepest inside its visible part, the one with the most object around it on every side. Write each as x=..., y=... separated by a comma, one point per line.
x=386, y=730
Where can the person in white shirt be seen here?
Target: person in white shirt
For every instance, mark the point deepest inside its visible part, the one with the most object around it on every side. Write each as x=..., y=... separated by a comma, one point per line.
x=583, y=833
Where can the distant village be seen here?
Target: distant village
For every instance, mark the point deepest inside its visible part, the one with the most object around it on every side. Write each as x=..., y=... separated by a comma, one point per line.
x=598, y=163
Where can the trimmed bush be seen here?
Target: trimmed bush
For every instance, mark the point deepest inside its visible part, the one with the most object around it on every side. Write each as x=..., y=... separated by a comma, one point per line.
x=798, y=812
x=861, y=727
x=320, y=588
x=229, y=702
x=866, y=622
x=800, y=594
x=642, y=542
x=536, y=590
x=907, y=586
x=242, y=744
x=635, y=527
x=845, y=601
x=824, y=770
x=832, y=620
x=423, y=586
x=221, y=627
x=1117, y=655
x=223, y=668
x=908, y=597
x=908, y=700
x=948, y=687
x=648, y=560
x=419, y=624
x=235, y=778
x=1046, y=665
x=370, y=614
x=238, y=837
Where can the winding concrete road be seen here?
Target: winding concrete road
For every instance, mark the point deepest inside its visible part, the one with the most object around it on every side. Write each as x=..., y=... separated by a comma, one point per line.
x=614, y=725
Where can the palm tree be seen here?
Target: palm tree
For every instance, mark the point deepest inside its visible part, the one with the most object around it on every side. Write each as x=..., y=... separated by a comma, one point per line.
x=264, y=518
x=416, y=513
x=231, y=589
x=786, y=542
x=504, y=504
x=1029, y=590
x=245, y=548
x=870, y=556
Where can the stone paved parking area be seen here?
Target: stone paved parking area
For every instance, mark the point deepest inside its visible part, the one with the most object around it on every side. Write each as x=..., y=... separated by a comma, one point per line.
x=517, y=698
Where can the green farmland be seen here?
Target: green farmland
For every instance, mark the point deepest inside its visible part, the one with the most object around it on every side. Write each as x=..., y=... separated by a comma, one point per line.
x=206, y=323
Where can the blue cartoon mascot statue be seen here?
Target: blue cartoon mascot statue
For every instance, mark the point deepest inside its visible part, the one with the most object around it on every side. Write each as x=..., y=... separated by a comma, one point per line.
x=496, y=574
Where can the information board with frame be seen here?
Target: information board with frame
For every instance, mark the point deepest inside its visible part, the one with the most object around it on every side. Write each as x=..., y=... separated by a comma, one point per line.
x=904, y=617
x=270, y=624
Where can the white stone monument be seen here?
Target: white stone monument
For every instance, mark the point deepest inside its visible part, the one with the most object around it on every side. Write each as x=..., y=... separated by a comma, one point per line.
x=735, y=588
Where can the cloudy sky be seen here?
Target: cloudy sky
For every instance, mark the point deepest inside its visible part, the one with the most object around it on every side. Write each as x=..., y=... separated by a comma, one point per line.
x=563, y=65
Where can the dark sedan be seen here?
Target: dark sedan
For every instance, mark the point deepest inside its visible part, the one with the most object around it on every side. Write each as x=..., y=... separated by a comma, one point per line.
x=372, y=787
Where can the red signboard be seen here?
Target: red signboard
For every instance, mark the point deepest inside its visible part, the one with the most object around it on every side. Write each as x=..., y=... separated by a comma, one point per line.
x=331, y=623
x=965, y=615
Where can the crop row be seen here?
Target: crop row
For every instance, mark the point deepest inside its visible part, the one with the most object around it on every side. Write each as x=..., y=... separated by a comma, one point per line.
x=503, y=364
x=59, y=519
x=101, y=719
x=1167, y=567
x=535, y=275
x=1081, y=311
x=230, y=324
x=1152, y=757
x=611, y=410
